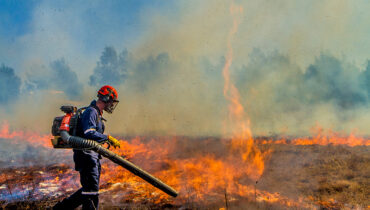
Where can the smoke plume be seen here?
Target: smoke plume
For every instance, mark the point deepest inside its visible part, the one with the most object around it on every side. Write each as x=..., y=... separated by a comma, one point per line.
x=330, y=80
x=59, y=77
x=365, y=79
x=111, y=69
x=295, y=64
x=9, y=85
x=280, y=96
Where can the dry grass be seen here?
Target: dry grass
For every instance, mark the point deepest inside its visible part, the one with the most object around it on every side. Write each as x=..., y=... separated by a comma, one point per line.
x=332, y=177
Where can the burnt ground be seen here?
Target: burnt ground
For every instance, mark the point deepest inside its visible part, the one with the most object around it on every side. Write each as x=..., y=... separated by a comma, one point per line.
x=332, y=177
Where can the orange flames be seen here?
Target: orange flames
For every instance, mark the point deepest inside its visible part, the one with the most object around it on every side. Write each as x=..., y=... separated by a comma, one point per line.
x=28, y=136
x=201, y=170
x=242, y=140
x=199, y=178
x=322, y=138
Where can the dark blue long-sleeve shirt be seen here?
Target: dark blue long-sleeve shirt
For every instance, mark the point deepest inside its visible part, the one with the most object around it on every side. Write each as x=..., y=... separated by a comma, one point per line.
x=92, y=124
x=91, y=127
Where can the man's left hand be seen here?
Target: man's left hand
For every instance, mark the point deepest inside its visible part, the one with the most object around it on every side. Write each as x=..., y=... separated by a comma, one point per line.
x=114, y=142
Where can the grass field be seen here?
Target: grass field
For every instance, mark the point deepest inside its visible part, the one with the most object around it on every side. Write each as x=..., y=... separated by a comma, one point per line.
x=325, y=177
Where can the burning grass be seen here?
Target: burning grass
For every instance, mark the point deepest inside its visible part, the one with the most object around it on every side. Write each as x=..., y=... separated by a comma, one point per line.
x=207, y=176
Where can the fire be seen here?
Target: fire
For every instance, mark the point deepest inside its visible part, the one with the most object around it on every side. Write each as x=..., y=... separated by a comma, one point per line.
x=198, y=177
x=203, y=171
x=320, y=137
x=242, y=139
x=333, y=138
x=30, y=137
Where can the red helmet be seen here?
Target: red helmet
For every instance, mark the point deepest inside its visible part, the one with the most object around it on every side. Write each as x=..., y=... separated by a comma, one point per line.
x=108, y=95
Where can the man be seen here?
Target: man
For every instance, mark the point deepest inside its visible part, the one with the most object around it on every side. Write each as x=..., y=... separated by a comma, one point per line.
x=87, y=162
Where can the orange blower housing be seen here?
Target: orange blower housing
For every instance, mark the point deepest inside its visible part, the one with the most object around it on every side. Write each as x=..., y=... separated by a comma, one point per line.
x=68, y=123
x=65, y=126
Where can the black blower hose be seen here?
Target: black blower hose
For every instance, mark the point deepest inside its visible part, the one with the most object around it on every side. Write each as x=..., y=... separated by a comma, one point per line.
x=81, y=143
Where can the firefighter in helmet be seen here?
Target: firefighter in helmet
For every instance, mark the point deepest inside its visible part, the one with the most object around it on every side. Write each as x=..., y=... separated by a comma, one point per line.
x=87, y=162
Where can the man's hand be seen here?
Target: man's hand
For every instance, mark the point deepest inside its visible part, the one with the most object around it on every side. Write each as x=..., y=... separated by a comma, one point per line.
x=114, y=142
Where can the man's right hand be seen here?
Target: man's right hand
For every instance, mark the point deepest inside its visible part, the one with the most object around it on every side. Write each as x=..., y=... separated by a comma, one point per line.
x=114, y=142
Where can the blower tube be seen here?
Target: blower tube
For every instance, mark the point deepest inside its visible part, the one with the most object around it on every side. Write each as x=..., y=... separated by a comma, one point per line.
x=81, y=143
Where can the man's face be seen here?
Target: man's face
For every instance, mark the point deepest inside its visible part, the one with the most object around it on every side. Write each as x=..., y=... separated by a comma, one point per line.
x=110, y=106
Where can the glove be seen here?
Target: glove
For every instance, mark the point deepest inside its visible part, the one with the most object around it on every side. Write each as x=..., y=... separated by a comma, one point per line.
x=114, y=142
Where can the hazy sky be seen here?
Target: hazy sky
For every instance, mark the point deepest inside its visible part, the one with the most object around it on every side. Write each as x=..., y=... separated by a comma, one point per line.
x=297, y=63
x=42, y=31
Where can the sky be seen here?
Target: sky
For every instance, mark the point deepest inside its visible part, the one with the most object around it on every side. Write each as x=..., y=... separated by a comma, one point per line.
x=297, y=64
x=77, y=31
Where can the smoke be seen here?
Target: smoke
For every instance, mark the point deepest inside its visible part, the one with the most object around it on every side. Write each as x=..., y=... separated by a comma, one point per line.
x=327, y=80
x=9, y=85
x=149, y=71
x=111, y=69
x=163, y=96
x=42, y=90
x=300, y=67
x=63, y=75
x=330, y=80
x=281, y=97
x=27, y=154
x=365, y=79
x=59, y=77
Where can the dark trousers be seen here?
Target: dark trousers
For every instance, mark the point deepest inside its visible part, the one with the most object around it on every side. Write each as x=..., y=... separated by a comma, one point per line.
x=87, y=195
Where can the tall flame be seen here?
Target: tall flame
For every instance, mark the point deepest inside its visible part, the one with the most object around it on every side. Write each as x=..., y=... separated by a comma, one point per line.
x=242, y=139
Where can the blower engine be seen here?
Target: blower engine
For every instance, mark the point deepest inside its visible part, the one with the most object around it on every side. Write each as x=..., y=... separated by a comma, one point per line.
x=67, y=123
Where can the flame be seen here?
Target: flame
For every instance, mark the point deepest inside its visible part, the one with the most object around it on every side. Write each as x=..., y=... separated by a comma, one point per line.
x=242, y=139
x=199, y=174
x=320, y=137
x=333, y=138
x=198, y=177
x=19, y=136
